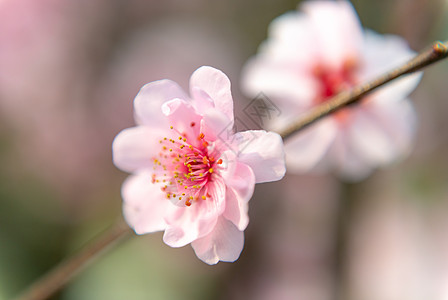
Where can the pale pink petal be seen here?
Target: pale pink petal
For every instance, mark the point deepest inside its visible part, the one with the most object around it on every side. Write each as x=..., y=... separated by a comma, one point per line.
x=187, y=224
x=201, y=100
x=381, y=53
x=306, y=148
x=236, y=210
x=215, y=125
x=242, y=182
x=217, y=85
x=133, y=148
x=144, y=205
x=281, y=69
x=229, y=164
x=336, y=28
x=181, y=115
x=380, y=133
x=224, y=243
x=383, y=132
x=149, y=100
x=282, y=82
x=187, y=227
x=263, y=152
x=240, y=189
x=288, y=36
x=344, y=159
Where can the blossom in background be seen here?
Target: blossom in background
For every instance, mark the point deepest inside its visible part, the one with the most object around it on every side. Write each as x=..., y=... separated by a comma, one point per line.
x=192, y=176
x=312, y=55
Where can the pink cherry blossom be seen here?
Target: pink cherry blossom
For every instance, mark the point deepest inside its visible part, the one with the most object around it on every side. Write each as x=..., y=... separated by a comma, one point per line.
x=313, y=54
x=192, y=176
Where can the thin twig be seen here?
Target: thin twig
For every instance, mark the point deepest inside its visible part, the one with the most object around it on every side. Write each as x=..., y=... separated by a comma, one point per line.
x=438, y=51
x=60, y=275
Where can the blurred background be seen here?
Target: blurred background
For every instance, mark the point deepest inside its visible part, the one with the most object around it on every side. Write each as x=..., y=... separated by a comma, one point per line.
x=69, y=71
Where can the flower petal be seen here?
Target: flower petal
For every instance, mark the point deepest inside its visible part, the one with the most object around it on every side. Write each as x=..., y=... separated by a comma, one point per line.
x=236, y=210
x=201, y=100
x=133, y=148
x=224, y=243
x=149, y=100
x=186, y=228
x=215, y=125
x=344, y=159
x=279, y=81
x=242, y=182
x=187, y=224
x=217, y=85
x=383, y=132
x=288, y=34
x=337, y=30
x=305, y=149
x=240, y=189
x=281, y=68
x=181, y=115
x=263, y=152
x=144, y=205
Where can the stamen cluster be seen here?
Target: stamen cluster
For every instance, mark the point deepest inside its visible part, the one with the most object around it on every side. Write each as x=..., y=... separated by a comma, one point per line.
x=187, y=167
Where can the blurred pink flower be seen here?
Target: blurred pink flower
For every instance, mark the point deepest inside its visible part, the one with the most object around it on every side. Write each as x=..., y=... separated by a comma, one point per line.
x=191, y=175
x=311, y=56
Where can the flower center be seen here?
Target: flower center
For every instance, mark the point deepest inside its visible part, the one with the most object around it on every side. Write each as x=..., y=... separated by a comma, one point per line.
x=333, y=81
x=185, y=167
